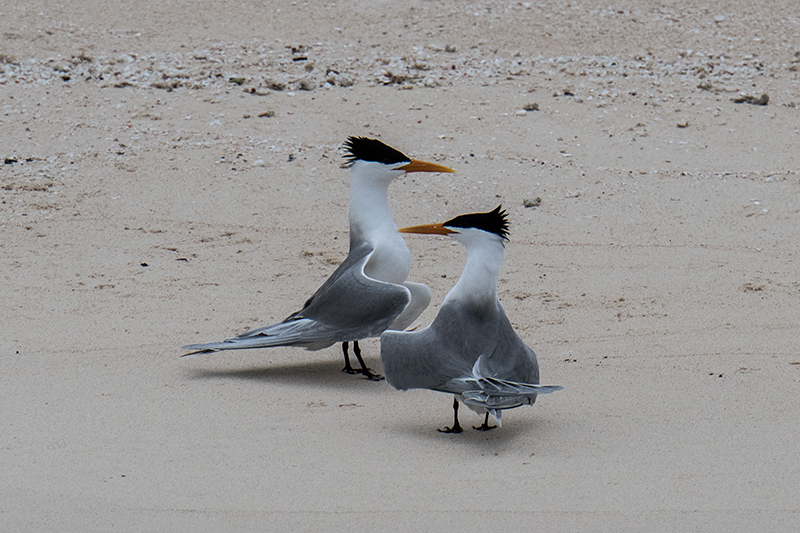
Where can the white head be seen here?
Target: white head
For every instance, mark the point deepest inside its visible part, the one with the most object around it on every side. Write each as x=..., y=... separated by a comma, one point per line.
x=470, y=228
x=373, y=161
x=484, y=236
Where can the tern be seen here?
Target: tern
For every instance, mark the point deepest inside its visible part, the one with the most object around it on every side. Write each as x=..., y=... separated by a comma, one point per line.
x=368, y=293
x=470, y=349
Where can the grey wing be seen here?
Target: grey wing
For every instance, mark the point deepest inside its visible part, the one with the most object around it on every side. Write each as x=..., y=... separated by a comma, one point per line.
x=420, y=298
x=418, y=359
x=437, y=356
x=350, y=305
x=358, y=255
x=511, y=359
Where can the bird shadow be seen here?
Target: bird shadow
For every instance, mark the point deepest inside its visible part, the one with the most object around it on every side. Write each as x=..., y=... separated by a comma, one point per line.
x=319, y=373
x=470, y=436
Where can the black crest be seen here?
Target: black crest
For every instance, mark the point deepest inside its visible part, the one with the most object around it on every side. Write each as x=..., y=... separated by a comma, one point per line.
x=495, y=221
x=365, y=149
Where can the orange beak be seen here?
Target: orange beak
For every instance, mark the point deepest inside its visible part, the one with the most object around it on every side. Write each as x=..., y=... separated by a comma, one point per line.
x=423, y=166
x=428, y=229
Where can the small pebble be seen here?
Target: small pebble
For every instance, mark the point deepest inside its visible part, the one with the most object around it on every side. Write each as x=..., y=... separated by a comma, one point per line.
x=307, y=85
x=747, y=99
x=536, y=202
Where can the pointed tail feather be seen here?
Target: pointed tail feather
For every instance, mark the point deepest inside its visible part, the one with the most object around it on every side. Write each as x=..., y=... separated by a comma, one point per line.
x=200, y=348
x=503, y=387
x=495, y=394
x=485, y=401
x=302, y=332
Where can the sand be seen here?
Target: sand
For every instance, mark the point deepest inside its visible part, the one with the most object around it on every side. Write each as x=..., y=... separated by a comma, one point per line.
x=172, y=175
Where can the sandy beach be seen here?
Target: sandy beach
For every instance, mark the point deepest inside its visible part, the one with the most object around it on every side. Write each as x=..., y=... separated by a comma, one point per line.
x=172, y=174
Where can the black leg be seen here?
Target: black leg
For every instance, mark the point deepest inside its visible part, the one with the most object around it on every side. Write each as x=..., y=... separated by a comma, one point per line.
x=456, y=426
x=485, y=426
x=364, y=370
x=347, y=368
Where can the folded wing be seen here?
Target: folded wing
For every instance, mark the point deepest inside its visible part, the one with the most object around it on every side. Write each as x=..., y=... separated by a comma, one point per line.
x=348, y=306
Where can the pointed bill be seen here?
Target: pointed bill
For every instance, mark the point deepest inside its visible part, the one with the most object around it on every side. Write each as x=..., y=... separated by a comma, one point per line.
x=423, y=166
x=428, y=229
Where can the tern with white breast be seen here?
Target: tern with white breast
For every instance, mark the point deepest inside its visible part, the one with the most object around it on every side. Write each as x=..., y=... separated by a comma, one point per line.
x=470, y=349
x=368, y=293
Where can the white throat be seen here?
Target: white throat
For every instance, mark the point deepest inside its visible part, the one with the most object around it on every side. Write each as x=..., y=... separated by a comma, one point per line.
x=478, y=281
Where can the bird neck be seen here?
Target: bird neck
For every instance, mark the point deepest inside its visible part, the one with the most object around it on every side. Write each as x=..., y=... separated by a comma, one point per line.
x=371, y=222
x=368, y=212
x=478, y=281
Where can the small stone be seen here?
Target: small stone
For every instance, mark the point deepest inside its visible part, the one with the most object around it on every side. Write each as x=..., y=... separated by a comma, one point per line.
x=535, y=202
x=345, y=80
x=342, y=80
x=747, y=99
x=531, y=107
x=275, y=85
x=307, y=85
